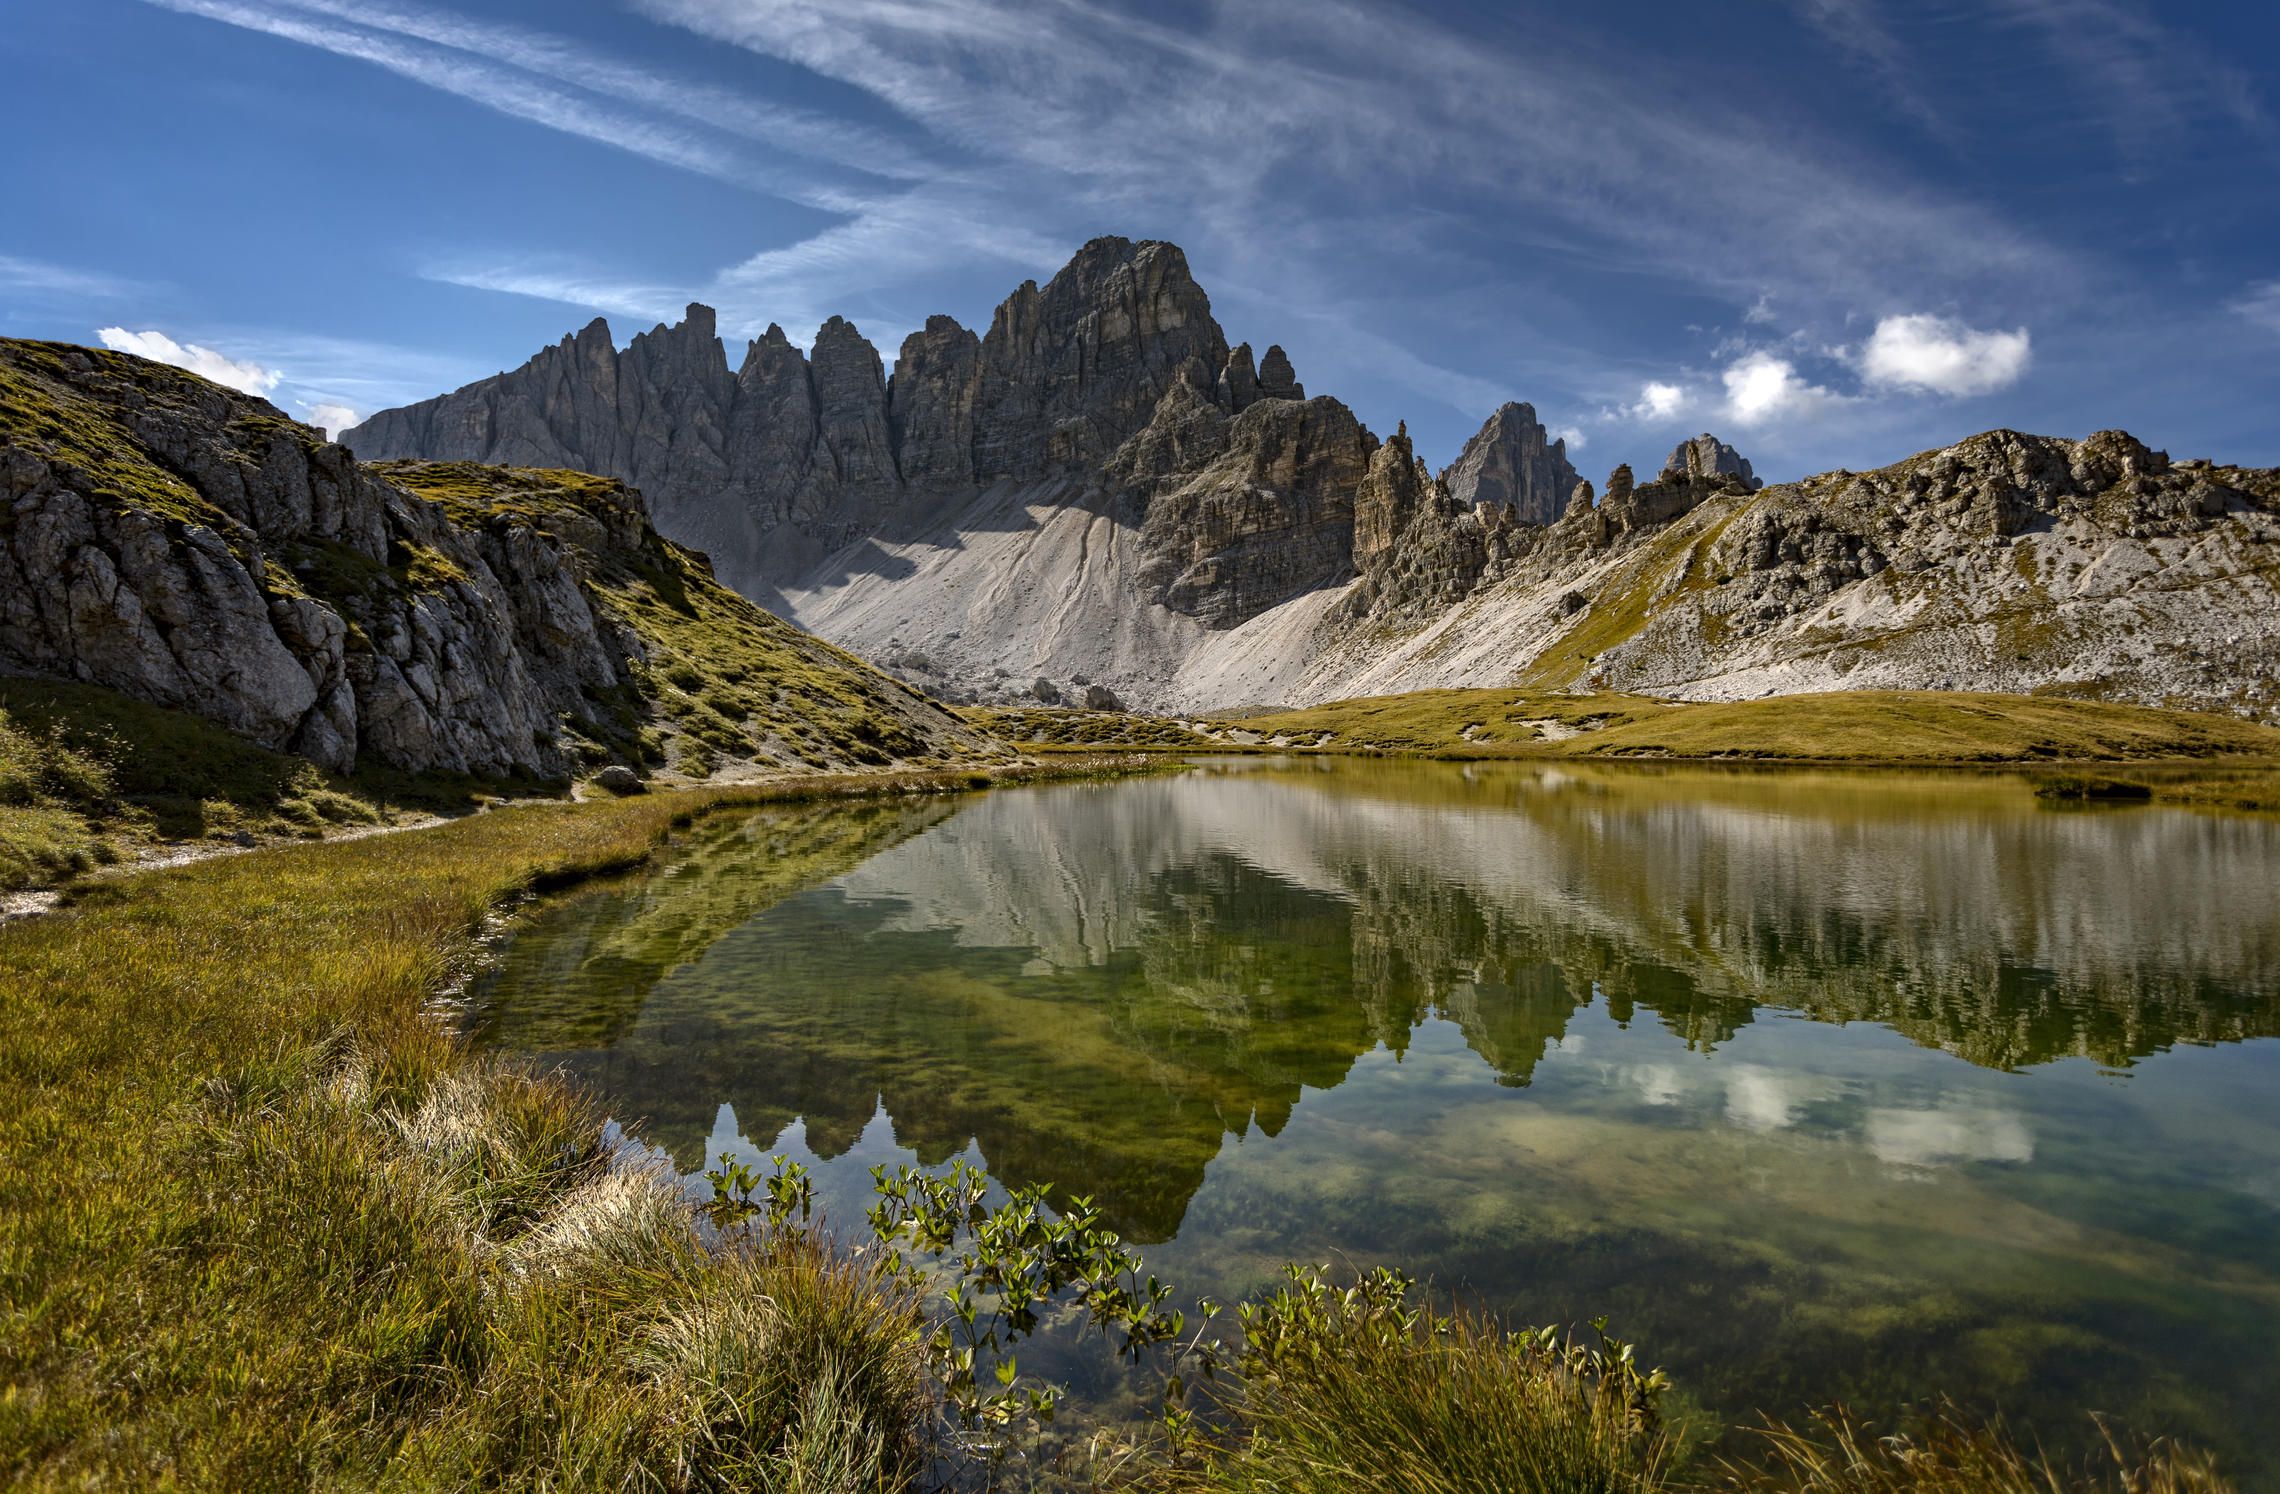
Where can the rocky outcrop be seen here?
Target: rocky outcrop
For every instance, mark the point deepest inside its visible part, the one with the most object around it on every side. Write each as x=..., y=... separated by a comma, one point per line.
x=1242, y=513
x=1708, y=458
x=191, y=547
x=1277, y=380
x=1415, y=544
x=1512, y=462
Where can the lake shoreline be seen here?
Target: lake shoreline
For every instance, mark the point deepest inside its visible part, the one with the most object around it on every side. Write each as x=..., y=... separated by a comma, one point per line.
x=262, y=1211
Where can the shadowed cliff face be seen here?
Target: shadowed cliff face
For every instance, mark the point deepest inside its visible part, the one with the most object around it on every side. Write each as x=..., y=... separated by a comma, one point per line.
x=1097, y=986
x=192, y=548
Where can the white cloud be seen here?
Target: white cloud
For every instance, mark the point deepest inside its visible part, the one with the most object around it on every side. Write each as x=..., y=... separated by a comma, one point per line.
x=1923, y=1138
x=252, y=378
x=1761, y=388
x=1658, y=401
x=1765, y=1101
x=2260, y=306
x=332, y=419
x=1573, y=436
x=1941, y=356
x=1760, y=313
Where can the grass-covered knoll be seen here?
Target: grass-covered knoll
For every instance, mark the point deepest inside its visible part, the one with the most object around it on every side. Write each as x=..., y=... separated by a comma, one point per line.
x=89, y=776
x=1064, y=727
x=265, y=1224
x=726, y=687
x=42, y=411
x=1895, y=726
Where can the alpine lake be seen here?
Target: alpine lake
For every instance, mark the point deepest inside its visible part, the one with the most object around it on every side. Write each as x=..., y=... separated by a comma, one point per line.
x=1820, y=1087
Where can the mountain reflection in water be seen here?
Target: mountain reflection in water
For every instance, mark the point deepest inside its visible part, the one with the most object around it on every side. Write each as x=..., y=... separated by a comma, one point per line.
x=1533, y=1032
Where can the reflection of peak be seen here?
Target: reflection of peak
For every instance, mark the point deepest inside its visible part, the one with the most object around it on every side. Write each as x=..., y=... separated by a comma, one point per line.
x=1095, y=985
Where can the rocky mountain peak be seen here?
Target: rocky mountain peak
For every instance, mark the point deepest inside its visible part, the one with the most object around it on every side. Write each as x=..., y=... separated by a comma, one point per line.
x=1277, y=379
x=1513, y=462
x=1238, y=387
x=1706, y=458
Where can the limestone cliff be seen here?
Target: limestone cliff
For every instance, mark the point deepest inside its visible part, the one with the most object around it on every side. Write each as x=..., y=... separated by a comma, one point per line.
x=1099, y=489
x=191, y=547
x=1512, y=462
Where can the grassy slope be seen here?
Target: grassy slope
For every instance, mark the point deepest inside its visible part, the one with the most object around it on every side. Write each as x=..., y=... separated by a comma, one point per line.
x=726, y=689
x=262, y=1222
x=88, y=776
x=726, y=683
x=1864, y=726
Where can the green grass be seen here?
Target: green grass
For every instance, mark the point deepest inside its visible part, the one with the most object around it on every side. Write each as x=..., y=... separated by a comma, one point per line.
x=1063, y=728
x=51, y=791
x=89, y=776
x=1864, y=726
x=264, y=1223
x=726, y=682
x=1357, y=1391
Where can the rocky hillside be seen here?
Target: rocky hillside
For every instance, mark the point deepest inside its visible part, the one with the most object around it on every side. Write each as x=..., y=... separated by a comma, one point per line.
x=191, y=547
x=1101, y=490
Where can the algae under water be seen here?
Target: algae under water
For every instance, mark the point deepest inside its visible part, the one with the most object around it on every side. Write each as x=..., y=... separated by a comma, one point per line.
x=1839, y=1086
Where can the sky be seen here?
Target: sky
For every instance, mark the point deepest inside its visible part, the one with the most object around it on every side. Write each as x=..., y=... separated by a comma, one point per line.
x=1834, y=232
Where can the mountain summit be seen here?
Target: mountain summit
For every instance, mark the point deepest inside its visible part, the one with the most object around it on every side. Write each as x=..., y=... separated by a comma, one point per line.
x=1100, y=490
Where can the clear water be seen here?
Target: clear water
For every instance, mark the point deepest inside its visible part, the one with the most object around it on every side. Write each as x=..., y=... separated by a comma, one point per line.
x=1854, y=1087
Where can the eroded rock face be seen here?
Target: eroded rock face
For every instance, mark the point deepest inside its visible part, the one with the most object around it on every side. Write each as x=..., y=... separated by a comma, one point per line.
x=1513, y=462
x=1415, y=544
x=1708, y=458
x=193, y=548
x=1242, y=512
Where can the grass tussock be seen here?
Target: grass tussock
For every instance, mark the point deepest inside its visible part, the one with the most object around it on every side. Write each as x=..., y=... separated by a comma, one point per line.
x=264, y=1223
x=1836, y=1453
x=1357, y=1391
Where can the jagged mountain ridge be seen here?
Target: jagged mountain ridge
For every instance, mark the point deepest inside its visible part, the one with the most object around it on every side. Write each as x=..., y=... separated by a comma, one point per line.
x=190, y=547
x=1102, y=489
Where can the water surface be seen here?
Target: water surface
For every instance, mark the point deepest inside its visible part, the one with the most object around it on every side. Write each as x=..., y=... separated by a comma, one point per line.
x=1845, y=1086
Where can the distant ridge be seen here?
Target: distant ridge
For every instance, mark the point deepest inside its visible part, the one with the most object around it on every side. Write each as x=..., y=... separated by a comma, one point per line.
x=1100, y=488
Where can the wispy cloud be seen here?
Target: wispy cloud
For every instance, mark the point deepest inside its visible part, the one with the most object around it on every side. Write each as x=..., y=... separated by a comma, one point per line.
x=1857, y=29
x=1127, y=109
x=521, y=95
x=41, y=278
x=794, y=131
x=2149, y=83
x=549, y=281
x=238, y=373
x=2259, y=306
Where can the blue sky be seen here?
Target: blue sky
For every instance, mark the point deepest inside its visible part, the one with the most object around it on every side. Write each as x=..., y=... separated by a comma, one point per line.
x=1833, y=231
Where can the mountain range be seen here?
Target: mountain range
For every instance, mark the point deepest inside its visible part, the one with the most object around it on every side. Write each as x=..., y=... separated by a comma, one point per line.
x=1101, y=490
